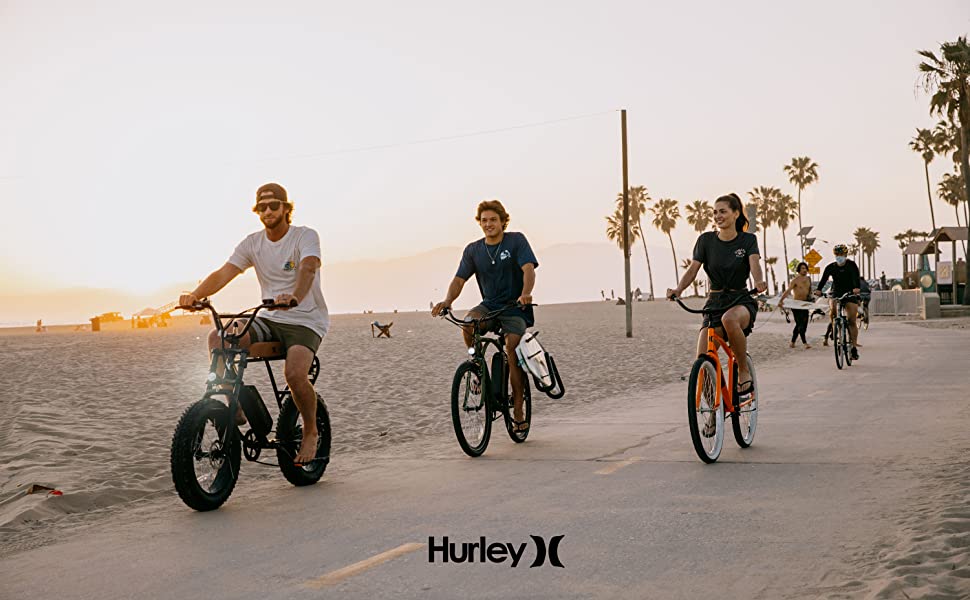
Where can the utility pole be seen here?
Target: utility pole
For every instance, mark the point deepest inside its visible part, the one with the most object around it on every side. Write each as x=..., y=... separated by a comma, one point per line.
x=626, y=233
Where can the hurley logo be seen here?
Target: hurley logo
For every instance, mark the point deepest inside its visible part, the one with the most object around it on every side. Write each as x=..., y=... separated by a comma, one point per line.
x=497, y=552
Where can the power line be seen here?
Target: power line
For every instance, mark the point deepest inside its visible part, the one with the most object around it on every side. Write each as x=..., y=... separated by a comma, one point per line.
x=435, y=140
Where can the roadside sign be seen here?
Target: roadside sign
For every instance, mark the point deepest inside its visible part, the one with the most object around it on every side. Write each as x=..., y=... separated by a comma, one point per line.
x=793, y=265
x=814, y=270
x=813, y=257
x=944, y=272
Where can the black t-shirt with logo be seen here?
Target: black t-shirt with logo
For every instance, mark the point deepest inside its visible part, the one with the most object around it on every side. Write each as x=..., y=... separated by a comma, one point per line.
x=726, y=263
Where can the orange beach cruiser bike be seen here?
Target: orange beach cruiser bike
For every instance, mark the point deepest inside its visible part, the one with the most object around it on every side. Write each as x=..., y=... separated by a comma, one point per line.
x=712, y=395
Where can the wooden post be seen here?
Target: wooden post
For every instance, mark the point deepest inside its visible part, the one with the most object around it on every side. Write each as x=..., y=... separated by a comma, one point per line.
x=626, y=232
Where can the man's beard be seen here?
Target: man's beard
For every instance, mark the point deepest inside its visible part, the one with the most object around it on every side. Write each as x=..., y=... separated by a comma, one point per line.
x=275, y=222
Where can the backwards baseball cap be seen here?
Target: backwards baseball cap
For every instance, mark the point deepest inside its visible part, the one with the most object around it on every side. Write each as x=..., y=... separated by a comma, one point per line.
x=271, y=191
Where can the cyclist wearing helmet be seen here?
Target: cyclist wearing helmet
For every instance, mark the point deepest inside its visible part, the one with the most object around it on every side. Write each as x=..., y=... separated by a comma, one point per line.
x=845, y=280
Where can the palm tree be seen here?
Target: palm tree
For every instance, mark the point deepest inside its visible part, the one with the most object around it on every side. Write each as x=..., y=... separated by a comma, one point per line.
x=700, y=215
x=947, y=77
x=764, y=201
x=872, y=243
x=685, y=264
x=614, y=229
x=638, y=198
x=785, y=213
x=802, y=172
x=774, y=281
x=925, y=143
x=855, y=251
x=952, y=191
x=665, y=215
x=858, y=248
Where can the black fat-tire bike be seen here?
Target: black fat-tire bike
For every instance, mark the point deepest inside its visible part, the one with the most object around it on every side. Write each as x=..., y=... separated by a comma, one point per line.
x=207, y=442
x=480, y=395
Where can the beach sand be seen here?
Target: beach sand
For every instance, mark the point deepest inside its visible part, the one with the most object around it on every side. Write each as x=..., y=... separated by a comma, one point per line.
x=91, y=414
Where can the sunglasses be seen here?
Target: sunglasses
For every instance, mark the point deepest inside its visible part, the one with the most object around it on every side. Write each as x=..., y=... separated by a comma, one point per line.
x=273, y=205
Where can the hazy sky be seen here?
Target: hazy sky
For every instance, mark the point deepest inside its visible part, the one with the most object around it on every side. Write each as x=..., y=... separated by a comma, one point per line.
x=133, y=135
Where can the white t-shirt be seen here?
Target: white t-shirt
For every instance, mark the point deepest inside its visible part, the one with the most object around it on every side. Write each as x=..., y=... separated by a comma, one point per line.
x=277, y=265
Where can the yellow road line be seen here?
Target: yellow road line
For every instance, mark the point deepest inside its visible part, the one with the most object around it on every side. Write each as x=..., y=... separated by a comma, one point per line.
x=358, y=567
x=614, y=467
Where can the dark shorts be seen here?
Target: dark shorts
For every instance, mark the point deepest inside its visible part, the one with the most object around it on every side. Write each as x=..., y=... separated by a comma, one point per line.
x=265, y=330
x=509, y=322
x=717, y=300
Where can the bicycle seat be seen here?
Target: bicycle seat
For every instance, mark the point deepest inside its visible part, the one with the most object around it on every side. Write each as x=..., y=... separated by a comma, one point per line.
x=267, y=350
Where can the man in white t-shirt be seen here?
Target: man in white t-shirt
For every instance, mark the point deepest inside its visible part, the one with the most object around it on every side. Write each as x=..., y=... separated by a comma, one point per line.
x=287, y=263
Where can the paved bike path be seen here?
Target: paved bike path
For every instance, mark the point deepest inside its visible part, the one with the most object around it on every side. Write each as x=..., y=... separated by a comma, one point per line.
x=837, y=456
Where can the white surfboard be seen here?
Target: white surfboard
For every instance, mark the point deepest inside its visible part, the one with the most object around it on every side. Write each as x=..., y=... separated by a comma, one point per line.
x=791, y=303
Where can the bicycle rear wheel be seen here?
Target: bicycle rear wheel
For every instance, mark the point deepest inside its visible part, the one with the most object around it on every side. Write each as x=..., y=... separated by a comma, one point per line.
x=289, y=433
x=846, y=346
x=837, y=342
x=470, y=412
x=744, y=419
x=705, y=411
x=519, y=436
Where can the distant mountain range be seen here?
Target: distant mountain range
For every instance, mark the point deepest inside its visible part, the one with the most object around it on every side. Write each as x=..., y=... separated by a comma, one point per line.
x=567, y=273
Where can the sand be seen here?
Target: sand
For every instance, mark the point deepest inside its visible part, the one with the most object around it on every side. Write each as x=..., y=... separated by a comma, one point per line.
x=91, y=415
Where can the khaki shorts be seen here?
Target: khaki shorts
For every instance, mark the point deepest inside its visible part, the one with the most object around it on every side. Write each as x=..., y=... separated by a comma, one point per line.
x=265, y=330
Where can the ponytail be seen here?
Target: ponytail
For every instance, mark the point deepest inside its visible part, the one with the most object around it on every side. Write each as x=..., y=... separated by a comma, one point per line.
x=741, y=225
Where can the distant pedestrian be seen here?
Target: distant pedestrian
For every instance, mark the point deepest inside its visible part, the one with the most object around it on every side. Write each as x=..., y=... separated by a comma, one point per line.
x=800, y=289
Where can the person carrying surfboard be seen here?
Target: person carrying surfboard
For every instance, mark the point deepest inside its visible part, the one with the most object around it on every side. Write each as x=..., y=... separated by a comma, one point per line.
x=801, y=289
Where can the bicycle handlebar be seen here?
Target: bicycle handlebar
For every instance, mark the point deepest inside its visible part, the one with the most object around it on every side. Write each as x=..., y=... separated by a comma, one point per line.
x=268, y=304
x=708, y=311
x=846, y=297
x=446, y=314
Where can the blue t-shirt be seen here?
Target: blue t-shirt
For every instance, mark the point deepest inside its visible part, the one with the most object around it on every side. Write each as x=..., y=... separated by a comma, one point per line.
x=498, y=270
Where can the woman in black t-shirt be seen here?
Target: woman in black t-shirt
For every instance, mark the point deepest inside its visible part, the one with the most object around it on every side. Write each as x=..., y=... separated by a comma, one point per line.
x=728, y=255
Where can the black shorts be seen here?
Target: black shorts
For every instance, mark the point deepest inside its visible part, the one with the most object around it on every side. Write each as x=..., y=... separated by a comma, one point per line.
x=719, y=299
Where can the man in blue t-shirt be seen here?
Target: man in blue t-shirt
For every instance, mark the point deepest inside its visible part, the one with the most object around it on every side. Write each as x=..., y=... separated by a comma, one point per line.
x=504, y=267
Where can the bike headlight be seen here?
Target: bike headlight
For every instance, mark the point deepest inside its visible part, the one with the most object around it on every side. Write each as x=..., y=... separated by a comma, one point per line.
x=471, y=352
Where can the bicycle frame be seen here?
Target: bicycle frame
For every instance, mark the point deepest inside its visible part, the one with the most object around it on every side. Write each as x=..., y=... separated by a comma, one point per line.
x=480, y=344
x=725, y=384
x=233, y=361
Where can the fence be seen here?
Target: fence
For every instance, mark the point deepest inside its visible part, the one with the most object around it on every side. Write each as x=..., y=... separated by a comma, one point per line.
x=896, y=302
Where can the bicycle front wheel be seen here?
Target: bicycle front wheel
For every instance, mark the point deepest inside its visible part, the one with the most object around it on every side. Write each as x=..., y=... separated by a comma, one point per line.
x=837, y=328
x=204, y=466
x=705, y=411
x=744, y=419
x=470, y=412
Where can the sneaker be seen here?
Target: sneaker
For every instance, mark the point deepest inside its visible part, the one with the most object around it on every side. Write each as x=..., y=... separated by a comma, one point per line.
x=825, y=342
x=855, y=354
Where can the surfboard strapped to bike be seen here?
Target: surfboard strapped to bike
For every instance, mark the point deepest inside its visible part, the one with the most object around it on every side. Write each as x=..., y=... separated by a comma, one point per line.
x=541, y=365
